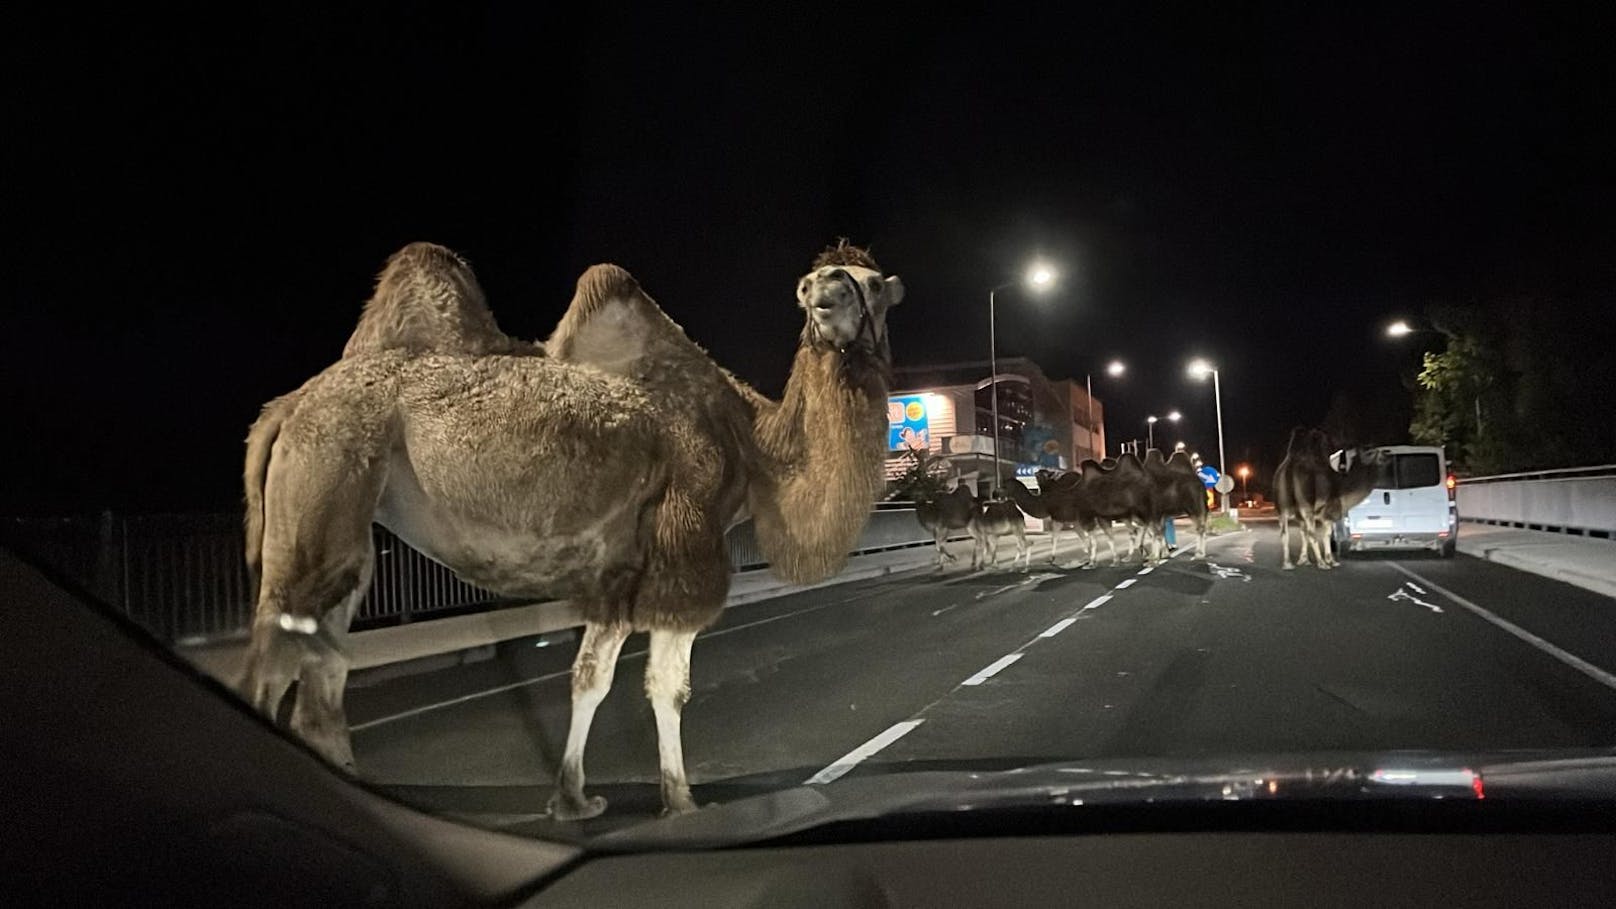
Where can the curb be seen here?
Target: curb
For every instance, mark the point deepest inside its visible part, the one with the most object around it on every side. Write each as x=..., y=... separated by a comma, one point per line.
x=1503, y=556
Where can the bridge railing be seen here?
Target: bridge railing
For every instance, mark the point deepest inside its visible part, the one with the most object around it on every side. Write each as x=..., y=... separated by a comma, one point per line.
x=184, y=577
x=1576, y=500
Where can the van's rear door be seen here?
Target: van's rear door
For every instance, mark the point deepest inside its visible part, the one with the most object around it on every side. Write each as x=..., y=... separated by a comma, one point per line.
x=1410, y=496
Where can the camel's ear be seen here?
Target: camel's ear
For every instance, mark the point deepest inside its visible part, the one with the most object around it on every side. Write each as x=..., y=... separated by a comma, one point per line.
x=894, y=291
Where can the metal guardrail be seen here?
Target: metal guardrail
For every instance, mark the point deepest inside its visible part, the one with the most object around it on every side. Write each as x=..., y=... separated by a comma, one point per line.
x=183, y=577
x=1559, y=473
x=1576, y=500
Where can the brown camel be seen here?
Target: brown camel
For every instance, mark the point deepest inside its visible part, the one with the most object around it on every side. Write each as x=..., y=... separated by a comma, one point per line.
x=944, y=515
x=1176, y=489
x=1300, y=492
x=1117, y=490
x=466, y=444
x=1311, y=494
x=992, y=518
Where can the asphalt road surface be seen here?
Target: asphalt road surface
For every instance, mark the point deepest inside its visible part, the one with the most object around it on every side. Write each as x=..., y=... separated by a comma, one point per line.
x=956, y=670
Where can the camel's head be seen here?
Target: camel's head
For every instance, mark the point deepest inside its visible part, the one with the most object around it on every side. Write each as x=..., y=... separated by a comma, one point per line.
x=846, y=298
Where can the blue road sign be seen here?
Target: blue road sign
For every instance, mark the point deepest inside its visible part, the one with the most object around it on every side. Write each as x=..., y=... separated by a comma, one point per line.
x=1209, y=475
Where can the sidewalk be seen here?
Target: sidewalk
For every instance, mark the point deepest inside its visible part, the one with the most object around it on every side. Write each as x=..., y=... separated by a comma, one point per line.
x=1587, y=562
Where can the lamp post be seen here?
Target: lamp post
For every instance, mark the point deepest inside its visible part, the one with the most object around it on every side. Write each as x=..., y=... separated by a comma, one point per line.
x=1114, y=368
x=1200, y=369
x=1401, y=329
x=1245, y=473
x=1037, y=277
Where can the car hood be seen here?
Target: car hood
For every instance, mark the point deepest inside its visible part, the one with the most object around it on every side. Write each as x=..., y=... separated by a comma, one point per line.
x=1330, y=776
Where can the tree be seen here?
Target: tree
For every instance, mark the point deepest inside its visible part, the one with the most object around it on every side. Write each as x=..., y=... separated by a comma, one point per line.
x=1516, y=385
x=923, y=480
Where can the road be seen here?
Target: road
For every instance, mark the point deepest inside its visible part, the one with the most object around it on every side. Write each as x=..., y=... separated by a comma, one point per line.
x=1227, y=657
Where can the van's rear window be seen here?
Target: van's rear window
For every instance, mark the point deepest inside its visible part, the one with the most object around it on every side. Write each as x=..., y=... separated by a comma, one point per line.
x=1417, y=470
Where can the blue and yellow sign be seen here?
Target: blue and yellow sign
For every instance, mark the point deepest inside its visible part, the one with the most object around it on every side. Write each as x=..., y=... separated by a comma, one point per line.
x=908, y=428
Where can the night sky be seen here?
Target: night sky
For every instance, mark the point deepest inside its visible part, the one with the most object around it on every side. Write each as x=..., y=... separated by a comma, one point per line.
x=198, y=203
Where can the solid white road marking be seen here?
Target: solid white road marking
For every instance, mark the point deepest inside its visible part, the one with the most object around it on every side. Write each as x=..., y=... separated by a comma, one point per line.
x=993, y=669
x=1572, y=660
x=848, y=761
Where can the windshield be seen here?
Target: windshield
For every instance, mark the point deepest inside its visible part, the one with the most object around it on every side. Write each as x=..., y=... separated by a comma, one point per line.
x=564, y=426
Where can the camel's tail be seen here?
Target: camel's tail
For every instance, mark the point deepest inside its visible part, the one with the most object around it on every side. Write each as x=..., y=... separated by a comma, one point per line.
x=260, y=445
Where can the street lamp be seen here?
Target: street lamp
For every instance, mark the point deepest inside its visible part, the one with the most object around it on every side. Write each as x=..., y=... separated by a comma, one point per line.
x=1200, y=369
x=1244, y=472
x=1113, y=369
x=1150, y=433
x=1038, y=277
x=1401, y=329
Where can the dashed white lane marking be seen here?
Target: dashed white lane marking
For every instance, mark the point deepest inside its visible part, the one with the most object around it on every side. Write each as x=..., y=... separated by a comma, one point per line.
x=993, y=669
x=839, y=767
x=1147, y=569
x=1058, y=627
x=1570, y=659
x=1124, y=585
x=1097, y=602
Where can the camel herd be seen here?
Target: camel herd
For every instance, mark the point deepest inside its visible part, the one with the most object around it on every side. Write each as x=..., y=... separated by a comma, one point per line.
x=1142, y=493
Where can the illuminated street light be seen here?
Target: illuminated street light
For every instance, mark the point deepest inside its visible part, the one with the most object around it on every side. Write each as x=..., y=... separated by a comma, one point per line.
x=1200, y=369
x=1115, y=368
x=1150, y=433
x=1038, y=277
x=1398, y=329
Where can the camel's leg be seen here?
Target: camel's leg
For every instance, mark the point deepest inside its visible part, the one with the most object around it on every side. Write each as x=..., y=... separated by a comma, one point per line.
x=318, y=715
x=317, y=555
x=1201, y=520
x=1321, y=546
x=1285, y=540
x=273, y=661
x=667, y=684
x=591, y=679
x=1110, y=543
x=1054, y=539
x=1023, y=550
x=941, y=537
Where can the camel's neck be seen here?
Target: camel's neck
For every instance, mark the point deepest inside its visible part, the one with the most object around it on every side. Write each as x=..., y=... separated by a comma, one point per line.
x=823, y=448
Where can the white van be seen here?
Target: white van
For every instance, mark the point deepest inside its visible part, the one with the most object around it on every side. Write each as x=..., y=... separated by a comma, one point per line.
x=1413, y=505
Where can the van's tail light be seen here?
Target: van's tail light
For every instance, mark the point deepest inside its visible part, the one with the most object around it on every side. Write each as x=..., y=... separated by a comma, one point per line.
x=1453, y=486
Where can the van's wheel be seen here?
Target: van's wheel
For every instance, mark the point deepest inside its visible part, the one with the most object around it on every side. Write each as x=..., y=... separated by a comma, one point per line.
x=1449, y=548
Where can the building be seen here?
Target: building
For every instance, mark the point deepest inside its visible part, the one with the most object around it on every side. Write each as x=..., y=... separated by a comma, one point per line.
x=947, y=409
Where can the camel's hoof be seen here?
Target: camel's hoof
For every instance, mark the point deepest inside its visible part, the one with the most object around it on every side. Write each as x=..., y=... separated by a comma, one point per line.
x=1288, y=567
x=676, y=810
x=563, y=808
